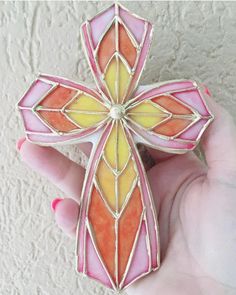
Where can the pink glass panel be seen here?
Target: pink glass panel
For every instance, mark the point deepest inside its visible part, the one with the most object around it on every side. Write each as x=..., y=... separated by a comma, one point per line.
x=193, y=99
x=99, y=24
x=142, y=59
x=45, y=139
x=94, y=267
x=151, y=90
x=66, y=82
x=35, y=92
x=193, y=132
x=33, y=123
x=135, y=25
x=91, y=55
x=53, y=138
x=140, y=262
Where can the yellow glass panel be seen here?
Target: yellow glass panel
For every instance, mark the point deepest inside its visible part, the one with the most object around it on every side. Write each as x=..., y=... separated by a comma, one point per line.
x=106, y=182
x=117, y=149
x=87, y=103
x=146, y=122
x=110, y=147
x=125, y=181
x=147, y=115
x=123, y=148
x=111, y=78
x=86, y=120
x=146, y=107
x=117, y=79
x=124, y=80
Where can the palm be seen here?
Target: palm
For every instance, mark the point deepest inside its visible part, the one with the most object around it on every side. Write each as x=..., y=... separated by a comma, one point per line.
x=193, y=229
x=195, y=203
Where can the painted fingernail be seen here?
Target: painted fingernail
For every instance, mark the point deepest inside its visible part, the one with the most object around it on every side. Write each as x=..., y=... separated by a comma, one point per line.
x=207, y=91
x=20, y=143
x=54, y=203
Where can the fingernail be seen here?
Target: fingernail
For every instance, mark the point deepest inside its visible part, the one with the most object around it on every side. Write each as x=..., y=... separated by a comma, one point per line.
x=207, y=91
x=20, y=143
x=54, y=203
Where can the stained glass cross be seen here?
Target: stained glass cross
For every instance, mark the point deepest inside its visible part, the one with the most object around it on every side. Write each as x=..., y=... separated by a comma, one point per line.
x=117, y=234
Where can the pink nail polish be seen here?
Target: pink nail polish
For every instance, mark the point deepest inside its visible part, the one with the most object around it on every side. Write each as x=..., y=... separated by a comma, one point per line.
x=20, y=143
x=54, y=203
x=207, y=91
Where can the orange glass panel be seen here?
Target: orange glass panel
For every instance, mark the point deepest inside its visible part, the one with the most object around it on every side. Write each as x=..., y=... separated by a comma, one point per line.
x=128, y=226
x=103, y=227
x=127, y=48
x=58, y=97
x=58, y=121
x=106, y=48
x=172, y=127
x=172, y=105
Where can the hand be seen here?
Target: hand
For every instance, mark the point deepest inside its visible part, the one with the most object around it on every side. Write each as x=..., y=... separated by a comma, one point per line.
x=196, y=206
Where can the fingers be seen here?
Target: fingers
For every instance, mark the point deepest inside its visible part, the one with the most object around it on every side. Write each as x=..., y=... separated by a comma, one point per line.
x=166, y=178
x=159, y=156
x=147, y=160
x=66, y=215
x=150, y=156
x=219, y=142
x=64, y=173
x=86, y=148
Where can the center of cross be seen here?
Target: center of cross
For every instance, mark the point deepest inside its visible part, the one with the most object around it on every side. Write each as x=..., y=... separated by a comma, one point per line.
x=117, y=111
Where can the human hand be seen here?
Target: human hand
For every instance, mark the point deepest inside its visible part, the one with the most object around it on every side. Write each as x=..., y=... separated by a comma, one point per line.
x=196, y=206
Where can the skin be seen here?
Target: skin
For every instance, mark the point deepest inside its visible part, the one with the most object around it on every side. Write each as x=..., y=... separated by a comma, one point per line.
x=195, y=202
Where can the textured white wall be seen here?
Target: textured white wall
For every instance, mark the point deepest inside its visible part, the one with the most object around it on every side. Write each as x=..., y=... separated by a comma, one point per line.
x=191, y=40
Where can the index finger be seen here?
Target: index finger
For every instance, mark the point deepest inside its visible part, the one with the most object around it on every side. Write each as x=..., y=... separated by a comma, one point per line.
x=60, y=170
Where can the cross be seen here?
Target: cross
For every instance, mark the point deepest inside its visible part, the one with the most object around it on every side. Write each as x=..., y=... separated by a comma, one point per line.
x=117, y=233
